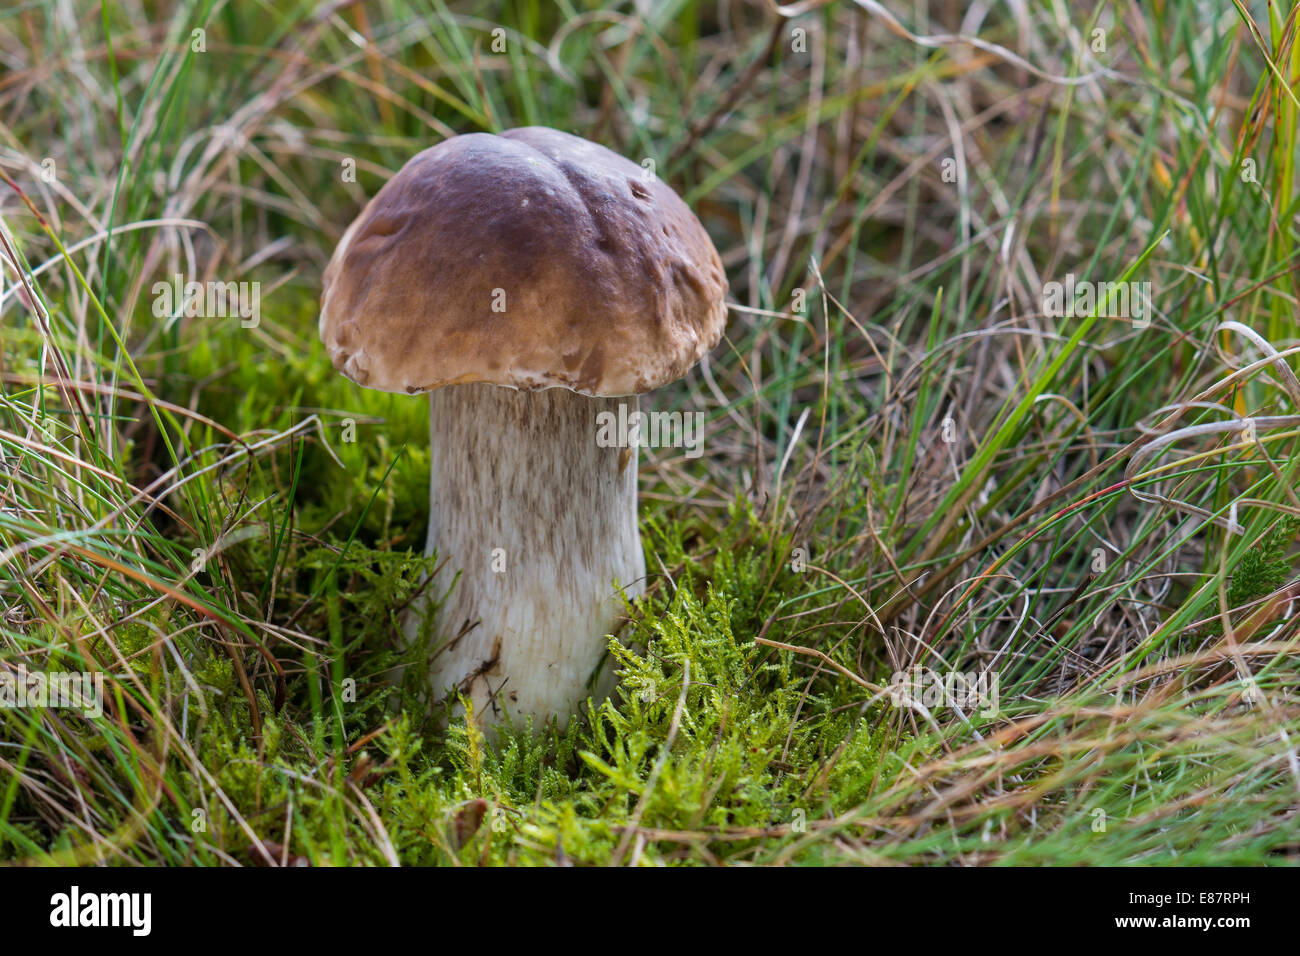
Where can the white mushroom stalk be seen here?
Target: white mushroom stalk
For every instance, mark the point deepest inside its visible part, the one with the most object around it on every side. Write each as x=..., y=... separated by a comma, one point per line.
x=542, y=524
x=528, y=281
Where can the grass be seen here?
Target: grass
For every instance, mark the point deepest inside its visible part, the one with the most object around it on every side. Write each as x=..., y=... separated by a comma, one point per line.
x=909, y=462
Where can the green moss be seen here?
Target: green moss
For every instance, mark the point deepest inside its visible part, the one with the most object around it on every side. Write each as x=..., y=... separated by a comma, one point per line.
x=744, y=723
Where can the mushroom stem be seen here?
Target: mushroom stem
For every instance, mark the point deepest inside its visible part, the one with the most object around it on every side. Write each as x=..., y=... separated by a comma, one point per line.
x=540, y=522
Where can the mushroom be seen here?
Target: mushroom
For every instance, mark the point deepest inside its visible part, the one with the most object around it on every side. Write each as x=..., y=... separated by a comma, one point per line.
x=529, y=281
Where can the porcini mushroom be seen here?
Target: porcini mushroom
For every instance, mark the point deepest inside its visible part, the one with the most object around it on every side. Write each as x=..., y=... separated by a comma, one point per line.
x=528, y=281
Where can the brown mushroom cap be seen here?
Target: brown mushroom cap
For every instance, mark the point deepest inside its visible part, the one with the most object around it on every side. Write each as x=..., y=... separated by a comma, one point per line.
x=609, y=283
